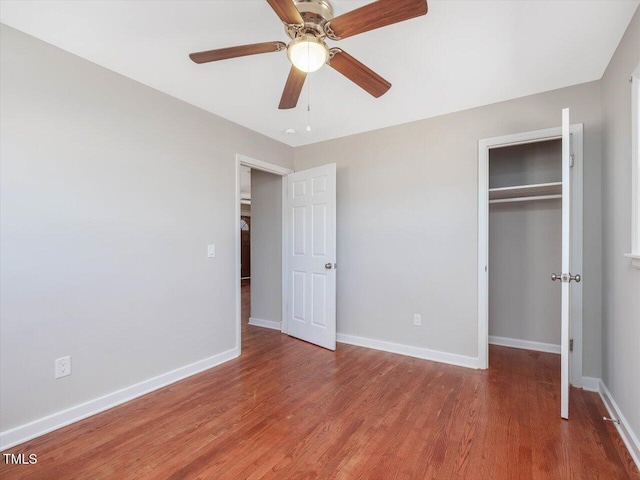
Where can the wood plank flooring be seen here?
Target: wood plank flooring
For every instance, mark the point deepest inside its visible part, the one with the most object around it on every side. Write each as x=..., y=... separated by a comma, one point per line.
x=289, y=410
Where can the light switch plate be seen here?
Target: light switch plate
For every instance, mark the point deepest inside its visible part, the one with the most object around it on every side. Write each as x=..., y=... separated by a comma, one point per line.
x=211, y=251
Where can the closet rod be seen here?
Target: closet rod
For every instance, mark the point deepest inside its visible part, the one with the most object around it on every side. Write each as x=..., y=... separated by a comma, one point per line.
x=525, y=199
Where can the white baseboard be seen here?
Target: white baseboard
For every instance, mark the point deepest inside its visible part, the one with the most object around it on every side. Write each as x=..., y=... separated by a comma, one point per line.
x=411, y=351
x=624, y=429
x=258, y=322
x=590, y=384
x=524, y=344
x=28, y=431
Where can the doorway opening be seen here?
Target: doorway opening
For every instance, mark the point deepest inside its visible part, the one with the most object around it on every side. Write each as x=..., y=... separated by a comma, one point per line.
x=525, y=240
x=261, y=248
x=245, y=225
x=260, y=236
x=245, y=245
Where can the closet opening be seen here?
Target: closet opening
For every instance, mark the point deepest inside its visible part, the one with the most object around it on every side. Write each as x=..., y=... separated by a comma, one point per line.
x=525, y=246
x=530, y=216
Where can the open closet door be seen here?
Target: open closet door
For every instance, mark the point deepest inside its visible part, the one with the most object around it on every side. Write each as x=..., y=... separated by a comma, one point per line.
x=311, y=255
x=566, y=277
x=566, y=265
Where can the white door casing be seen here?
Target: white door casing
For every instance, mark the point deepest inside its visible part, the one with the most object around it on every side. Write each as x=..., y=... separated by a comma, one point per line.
x=311, y=255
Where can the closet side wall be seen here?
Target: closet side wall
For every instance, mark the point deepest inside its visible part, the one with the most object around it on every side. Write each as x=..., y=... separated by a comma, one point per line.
x=266, y=246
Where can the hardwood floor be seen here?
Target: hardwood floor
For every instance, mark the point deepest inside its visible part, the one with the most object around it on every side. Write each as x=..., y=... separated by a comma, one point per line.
x=289, y=410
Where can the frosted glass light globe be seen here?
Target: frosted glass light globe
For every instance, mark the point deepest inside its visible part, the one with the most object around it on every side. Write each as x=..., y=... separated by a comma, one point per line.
x=307, y=53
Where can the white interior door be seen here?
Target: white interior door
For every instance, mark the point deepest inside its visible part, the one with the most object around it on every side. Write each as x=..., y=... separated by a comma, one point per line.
x=566, y=277
x=311, y=255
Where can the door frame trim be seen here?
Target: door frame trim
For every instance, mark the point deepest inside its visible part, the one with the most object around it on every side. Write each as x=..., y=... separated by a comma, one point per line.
x=484, y=146
x=243, y=160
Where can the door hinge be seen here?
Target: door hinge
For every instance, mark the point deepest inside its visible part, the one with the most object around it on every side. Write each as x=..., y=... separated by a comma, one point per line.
x=571, y=345
x=571, y=159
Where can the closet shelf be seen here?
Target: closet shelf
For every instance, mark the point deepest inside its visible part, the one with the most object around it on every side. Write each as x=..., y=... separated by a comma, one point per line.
x=521, y=193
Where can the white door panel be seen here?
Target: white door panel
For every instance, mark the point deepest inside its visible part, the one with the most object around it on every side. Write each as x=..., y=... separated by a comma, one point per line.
x=566, y=265
x=311, y=255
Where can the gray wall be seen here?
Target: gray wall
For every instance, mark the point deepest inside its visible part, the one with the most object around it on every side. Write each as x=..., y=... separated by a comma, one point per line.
x=539, y=162
x=525, y=241
x=266, y=246
x=621, y=282
x=408, y=220
x=110, y=193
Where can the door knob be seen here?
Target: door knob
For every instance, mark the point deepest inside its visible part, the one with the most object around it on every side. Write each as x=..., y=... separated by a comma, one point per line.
x=566, y=277
x=328, y=266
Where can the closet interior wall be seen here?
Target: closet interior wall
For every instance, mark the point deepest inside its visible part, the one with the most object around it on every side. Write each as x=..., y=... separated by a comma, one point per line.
x=525, y=243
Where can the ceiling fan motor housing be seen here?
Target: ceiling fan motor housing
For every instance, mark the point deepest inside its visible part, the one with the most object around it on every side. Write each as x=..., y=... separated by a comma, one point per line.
x=315, y=14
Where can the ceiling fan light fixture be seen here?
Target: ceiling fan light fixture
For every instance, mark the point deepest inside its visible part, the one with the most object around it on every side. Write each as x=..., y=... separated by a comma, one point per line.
x=308, y=23
x=307, y=53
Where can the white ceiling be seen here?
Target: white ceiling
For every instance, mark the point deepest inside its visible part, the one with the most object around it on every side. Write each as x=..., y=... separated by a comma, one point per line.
x=462, y=54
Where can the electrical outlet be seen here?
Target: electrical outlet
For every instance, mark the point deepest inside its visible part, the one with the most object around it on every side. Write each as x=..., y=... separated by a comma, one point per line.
x=417, y=319
x=211, y=251
x=63, y=367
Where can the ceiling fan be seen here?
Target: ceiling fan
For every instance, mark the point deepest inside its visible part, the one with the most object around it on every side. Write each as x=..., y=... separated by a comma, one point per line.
x=308, y=23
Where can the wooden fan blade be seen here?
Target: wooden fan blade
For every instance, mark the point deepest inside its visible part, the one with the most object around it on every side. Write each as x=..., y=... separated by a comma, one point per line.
x=374, y=15
x=233, y=52
x=287, y=11
x=358, y=73
x=292, y=89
